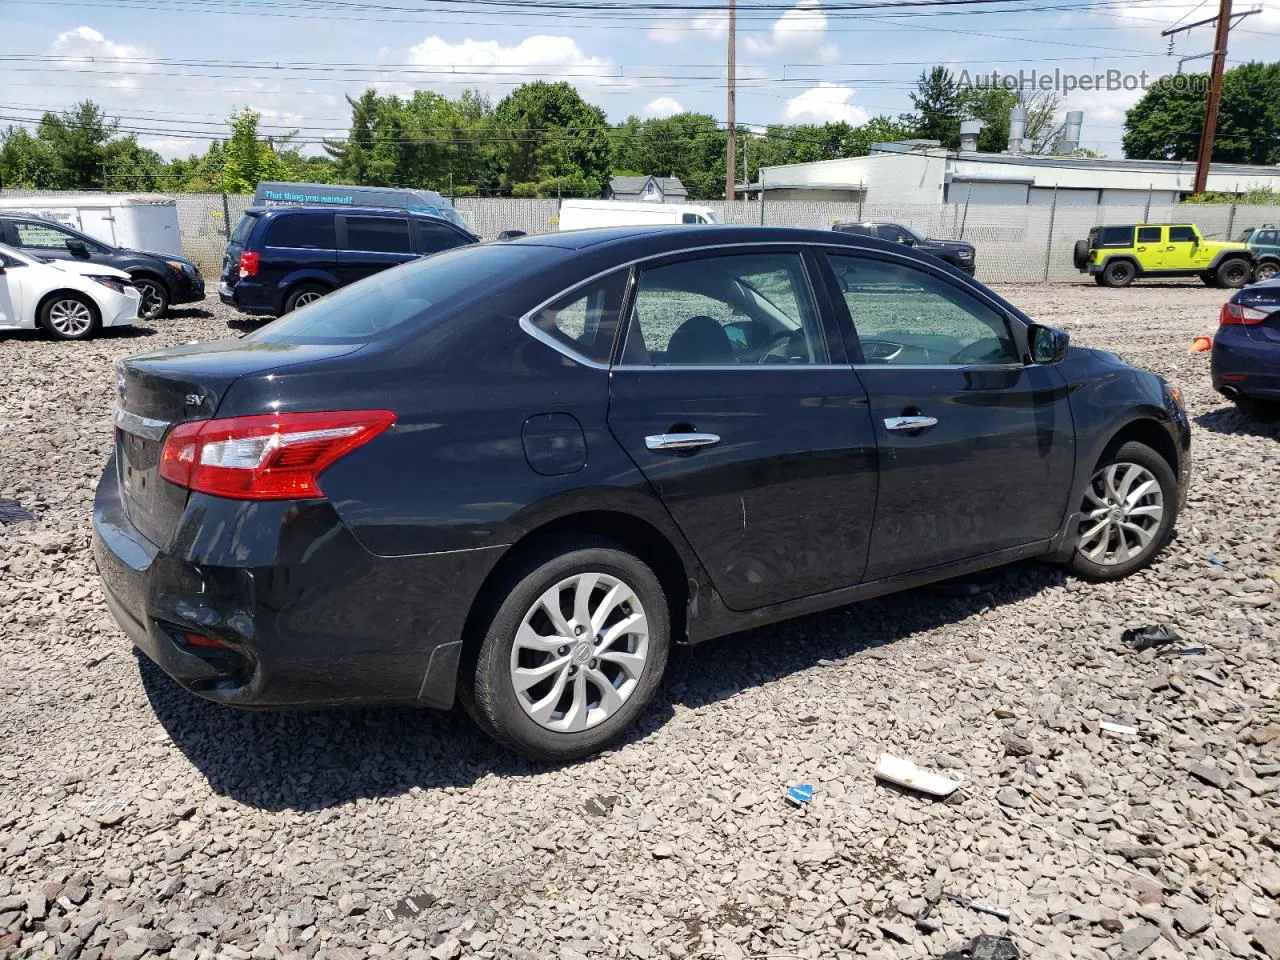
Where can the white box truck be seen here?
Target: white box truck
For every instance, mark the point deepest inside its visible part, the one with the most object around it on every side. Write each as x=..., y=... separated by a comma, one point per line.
x=131, y=221
x=583, y=214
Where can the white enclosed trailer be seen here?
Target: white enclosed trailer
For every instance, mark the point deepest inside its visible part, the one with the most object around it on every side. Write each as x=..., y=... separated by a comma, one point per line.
x=132, y=221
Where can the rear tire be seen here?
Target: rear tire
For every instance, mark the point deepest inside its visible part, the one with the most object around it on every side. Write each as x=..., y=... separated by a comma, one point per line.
x=558, y=701
x=303, y=294
x=1118, y=273
x=1265, y=270
x=1128, y=513
x=70, y=316
x=1233, y=273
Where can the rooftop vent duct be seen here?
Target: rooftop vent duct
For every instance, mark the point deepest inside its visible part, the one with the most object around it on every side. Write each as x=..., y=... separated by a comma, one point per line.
x=1070, y=141
x=969, y=130
x=1017, y=128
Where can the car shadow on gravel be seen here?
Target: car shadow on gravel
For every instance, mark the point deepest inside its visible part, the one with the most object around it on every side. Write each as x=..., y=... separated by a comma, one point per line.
x=725, y=667
x=1230, y=420
x=314, y=759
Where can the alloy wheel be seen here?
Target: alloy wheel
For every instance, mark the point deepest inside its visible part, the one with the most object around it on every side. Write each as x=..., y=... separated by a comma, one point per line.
x=1266, y=271
x=70, y=318
x=1121, y=513
x=307, y=296
x=579, y=652
x=152, y=302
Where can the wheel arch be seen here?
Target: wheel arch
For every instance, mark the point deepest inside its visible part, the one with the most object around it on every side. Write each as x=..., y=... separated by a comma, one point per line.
x=150, y=273
x=1225, y=255
x=1148, y=431
x=627, y=530
x=59, y=291
x=1128, y=258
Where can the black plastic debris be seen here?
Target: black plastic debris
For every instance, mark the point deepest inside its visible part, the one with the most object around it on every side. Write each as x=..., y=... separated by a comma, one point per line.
x=1182, y=652
x=1138, y=639
x=11, y=511
x=600, y=806
x=410, y=907
x=984, y=948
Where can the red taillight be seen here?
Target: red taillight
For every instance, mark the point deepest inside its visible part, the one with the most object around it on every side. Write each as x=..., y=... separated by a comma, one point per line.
x=1234, y=314
x=200, y=640
x=248, y=264
x=271, y=457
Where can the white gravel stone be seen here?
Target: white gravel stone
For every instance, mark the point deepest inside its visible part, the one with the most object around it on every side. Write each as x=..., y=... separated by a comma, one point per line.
x=135, y=809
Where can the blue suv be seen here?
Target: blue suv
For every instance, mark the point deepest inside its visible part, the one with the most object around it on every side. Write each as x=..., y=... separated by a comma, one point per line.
x=281, y=258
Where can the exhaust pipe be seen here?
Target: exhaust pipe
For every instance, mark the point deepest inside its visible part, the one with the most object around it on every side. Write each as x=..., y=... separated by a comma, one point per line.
x=1228, y=391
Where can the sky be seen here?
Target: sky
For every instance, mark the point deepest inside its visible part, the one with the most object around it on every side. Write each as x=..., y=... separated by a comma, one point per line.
x=173, y=70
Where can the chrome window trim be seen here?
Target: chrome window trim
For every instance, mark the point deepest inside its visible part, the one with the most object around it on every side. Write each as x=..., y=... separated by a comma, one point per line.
x=139, y=426
x=708, y=367
x=527, y=325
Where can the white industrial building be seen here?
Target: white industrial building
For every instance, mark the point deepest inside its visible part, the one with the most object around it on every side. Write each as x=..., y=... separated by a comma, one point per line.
x=920, y=171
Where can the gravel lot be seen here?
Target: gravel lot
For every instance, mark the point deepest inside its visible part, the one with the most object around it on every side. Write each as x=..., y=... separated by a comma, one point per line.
x=137, y=820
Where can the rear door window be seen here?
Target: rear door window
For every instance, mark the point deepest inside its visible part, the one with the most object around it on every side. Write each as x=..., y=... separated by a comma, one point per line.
x=585, y=320
x=1115, y=237
x=1265, y=238
x=309, y=231
x=1149, y=234
x=378, y=234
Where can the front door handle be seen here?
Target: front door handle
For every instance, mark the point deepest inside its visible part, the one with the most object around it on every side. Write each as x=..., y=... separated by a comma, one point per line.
x=909, y=423
x=680, y=441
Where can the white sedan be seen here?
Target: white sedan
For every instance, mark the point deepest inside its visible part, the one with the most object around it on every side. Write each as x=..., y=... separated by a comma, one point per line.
x=71, y=299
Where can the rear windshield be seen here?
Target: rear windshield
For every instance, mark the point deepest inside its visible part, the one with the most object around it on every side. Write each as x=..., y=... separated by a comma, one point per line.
x=243, y=227
x=416, y=294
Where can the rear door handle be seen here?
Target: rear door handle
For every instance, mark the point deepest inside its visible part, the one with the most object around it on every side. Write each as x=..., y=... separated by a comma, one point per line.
x=909, y=423
x=680, y=441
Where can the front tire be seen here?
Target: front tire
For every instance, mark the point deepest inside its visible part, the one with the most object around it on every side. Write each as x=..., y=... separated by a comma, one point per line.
x=1127, y=515
x=573, y=652
x=1118, y=273
x=155, y=298
x=1233, y=273
x=70, y=316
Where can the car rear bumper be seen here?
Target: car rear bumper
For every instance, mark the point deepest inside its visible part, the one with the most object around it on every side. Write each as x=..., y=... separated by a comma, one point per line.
x=306, y=615
x=249, y=297
x=1241, y=365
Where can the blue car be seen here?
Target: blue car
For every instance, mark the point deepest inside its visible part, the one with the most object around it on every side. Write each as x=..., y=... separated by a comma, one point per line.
x=1246, y=350
x=282, y=258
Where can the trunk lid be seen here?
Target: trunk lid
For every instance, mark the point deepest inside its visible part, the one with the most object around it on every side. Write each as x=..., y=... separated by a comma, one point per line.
x=155, y=391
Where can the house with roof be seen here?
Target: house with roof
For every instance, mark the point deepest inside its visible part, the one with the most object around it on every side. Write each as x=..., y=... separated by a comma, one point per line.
x=652, y=189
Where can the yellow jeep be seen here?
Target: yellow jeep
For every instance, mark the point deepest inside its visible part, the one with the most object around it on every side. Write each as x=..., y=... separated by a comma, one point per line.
x=1117, y=255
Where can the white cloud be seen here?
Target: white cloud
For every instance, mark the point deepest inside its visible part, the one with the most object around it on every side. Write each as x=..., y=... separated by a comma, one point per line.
x=801, y=30
x=825, y=103
x=89, y=47
x=663, y=107
x=705, y=26
x=539, y=57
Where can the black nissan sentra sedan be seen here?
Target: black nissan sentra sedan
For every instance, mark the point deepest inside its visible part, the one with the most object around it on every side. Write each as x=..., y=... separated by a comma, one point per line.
x=516, y=473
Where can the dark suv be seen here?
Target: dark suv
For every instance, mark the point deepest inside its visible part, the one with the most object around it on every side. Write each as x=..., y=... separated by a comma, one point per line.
x=282, y=258
x=162, y=278
x=955, y=252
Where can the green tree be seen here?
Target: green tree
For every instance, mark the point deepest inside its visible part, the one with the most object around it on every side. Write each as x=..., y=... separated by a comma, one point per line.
x=939, y=105
x=1165, y=124
x=548, y=136
x=248, y=160
x=27, y=162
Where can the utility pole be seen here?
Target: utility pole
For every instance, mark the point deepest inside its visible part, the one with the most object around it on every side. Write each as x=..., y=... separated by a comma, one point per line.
x=1224, y=21
x=1210, y=127
x=730, y=166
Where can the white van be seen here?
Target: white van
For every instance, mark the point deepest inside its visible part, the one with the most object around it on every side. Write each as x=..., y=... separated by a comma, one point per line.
x=582, y=214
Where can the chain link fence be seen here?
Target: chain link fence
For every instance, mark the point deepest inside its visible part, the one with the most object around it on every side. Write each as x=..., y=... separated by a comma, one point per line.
x=1028, y=243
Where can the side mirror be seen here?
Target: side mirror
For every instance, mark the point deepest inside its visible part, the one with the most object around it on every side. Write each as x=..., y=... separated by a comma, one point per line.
x=906, y=240
x=77, y=248
x=511, y=234
x=1048, y=344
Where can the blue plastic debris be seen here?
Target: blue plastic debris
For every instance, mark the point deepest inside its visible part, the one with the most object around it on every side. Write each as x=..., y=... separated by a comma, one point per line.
x=800, y=794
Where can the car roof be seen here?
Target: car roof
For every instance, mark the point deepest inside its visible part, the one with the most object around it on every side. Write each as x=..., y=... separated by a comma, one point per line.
x=653, y=239
x=359, y=211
